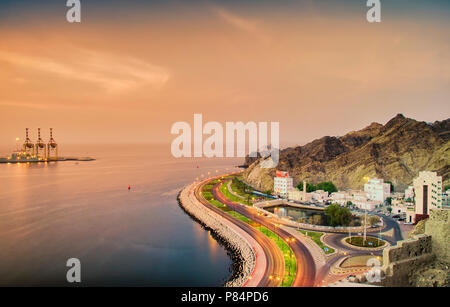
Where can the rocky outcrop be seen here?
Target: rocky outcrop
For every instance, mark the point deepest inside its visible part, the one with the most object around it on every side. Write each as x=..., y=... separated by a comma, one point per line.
x=418, y=229
x=239, y=249
x=438, y=227
x=396, y=152
x=435, y=274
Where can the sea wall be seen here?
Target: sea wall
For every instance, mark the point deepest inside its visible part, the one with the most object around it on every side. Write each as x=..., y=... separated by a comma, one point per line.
x=240, y=250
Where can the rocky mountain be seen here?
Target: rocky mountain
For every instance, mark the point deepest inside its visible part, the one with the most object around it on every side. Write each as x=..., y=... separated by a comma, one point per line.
x=396, y=152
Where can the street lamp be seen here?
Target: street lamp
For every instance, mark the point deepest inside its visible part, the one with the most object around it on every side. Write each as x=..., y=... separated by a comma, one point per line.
x=379, y=237
x=292, y=240
x=365, y=226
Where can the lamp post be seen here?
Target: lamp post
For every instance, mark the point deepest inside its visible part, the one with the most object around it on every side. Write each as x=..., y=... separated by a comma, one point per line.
x=365, y=225
x=288, y=240
x=379, y=237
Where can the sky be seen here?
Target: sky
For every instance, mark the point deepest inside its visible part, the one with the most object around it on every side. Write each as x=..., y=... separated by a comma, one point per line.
x=131, y=69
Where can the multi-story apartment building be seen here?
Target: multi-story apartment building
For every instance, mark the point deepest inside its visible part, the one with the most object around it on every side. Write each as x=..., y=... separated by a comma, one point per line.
x=427, y=195
x=282, y=183
x=377, y=190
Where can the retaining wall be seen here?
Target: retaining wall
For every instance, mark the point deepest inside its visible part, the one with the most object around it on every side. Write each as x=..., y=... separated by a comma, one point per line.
x=399, y=262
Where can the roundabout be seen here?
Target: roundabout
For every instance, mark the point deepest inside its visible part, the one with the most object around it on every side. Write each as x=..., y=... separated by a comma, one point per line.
x=369, y=244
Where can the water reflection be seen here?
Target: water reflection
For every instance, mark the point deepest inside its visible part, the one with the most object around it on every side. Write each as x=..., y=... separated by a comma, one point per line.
x=50, y=212
x=294, y=213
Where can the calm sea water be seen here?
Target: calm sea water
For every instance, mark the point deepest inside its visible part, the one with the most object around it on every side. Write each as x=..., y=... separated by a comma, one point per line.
x=52, y=212
x=293, y=212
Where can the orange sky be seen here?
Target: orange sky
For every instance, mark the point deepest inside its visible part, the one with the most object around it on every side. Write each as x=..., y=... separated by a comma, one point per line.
x=129, y=81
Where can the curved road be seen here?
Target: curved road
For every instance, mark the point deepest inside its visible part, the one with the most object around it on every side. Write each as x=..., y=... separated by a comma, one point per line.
x=306, y=270
x=275, y=259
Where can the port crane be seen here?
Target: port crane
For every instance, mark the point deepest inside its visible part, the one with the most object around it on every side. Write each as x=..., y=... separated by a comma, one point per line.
x=41, y=149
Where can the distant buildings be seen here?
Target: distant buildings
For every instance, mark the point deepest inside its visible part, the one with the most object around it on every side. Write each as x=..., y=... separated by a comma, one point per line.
x=400, y=206
x=341, y=197
x=298, y=195
x=358, y=198
x=377, y=190
x=362, y=201
x=320, y=196
x=282, y=183
x=427, y=196
x=416, y=202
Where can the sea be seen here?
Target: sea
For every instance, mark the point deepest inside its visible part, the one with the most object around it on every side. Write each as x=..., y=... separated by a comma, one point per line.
x=51, y=212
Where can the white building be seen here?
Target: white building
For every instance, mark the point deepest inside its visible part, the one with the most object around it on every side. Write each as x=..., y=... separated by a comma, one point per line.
x=320, y=196
x=297, y=195
x=409, y=193
x=399, y=206
x=341, y=197
x=428, y=195
x=361, y=200
x=282, y=183
x=446, y=198
x=377, y=190
x=358, y=198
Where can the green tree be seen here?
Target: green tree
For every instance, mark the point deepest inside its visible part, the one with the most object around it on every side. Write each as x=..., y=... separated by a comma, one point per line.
x=337, y=216
x=344, y=217
x=389, y=209
x=309, y=187
x=389, y=200
x=373, y=220
x=315, y=219
x=327, y=186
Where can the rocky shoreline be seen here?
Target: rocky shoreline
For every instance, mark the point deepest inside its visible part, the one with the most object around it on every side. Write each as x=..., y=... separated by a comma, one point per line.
x=241, y=253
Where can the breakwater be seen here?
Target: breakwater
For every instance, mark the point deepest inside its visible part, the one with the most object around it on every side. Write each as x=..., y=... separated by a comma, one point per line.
x=239, y=249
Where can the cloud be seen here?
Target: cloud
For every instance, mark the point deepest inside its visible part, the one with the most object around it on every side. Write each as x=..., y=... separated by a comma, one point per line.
x=246, y=25
x=43, y=106
x=111, y=72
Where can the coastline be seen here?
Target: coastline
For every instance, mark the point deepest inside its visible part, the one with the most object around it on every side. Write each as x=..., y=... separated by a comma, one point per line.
x=61, y=159
x=242, y=255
